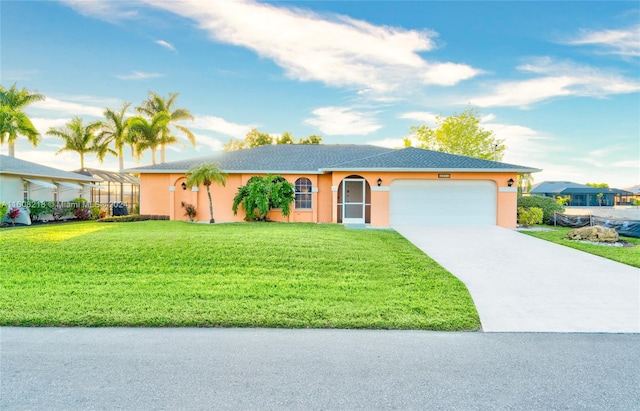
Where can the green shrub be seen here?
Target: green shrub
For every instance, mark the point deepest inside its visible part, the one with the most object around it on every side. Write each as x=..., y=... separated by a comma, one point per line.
x=78, y=202
x=96, y=211
x=59, y=211
x=4, y=209
x=39, y=208
x=548, y=206
x=136, y=209
x=262, y=194
x=529, y=216
x=79, y=208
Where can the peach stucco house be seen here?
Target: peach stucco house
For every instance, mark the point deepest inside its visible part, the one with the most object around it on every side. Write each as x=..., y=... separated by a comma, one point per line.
x=357, y=184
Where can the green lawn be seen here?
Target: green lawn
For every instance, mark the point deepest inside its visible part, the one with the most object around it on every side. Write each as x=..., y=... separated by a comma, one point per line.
x=172, y=273
x=626, y=255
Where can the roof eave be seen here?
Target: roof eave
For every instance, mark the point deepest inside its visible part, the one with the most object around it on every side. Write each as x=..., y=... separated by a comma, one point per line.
x=183, y=171
x=40, y=175
x=427, y=170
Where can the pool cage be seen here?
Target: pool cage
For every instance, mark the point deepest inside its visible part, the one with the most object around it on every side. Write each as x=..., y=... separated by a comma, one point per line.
x=113, y=189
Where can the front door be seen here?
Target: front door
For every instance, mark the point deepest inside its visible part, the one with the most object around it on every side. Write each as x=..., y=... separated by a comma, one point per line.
x=353, y=199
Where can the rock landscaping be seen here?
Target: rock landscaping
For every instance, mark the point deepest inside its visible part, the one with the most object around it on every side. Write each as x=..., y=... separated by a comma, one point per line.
x=594, y=233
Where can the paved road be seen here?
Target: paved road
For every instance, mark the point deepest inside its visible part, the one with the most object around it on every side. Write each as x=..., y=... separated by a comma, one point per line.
x=245, y=369
x=521, y=284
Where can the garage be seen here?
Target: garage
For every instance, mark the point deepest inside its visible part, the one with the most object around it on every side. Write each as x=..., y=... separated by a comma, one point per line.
x=437, y=202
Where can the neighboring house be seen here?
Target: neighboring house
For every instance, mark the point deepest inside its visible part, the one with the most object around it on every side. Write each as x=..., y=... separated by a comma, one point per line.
x=581, y=195
x=22, y=180
x=348, y=184
x=635, y=191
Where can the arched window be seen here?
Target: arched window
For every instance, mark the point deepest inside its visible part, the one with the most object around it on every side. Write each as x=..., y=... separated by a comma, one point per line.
x=303, y=193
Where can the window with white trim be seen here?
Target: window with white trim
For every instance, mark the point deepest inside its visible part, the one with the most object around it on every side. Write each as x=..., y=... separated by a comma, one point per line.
x=25, y=190
x=303, y=194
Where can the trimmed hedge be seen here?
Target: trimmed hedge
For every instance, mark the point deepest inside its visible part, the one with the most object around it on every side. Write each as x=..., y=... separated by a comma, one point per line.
x=132, y=217
x=529, y=216
x=547, y=204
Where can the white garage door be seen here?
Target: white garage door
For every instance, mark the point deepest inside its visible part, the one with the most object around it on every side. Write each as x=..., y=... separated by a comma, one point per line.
x=437, y=202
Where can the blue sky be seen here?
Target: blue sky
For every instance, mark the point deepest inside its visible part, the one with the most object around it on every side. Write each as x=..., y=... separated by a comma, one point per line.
x=558, y=81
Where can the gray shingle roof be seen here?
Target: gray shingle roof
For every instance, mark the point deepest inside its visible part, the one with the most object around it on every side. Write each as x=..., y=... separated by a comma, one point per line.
x=16, y=166
x=278, y=158
x=288, y=158
x=567, y=187
x=412, y=158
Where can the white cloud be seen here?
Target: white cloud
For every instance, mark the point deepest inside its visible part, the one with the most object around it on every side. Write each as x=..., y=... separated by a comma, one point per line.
x=623, y=42
x=421, y=116
x=334, y=49
x=43, y=124
x=558, y=79
x=342, y=121
x=138, y=75
x=388, y=143
x=165, y=45
x=524, y=145
x=221, y=126
x=68, y=107
x=106, y=10
x=208, y=142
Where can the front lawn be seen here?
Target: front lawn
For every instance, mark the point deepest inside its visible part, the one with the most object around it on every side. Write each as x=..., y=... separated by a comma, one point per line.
x=626, y=255
x=173, y=273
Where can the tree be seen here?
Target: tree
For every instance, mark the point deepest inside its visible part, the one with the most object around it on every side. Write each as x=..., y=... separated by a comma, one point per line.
x=312, y=139
x=563, y=200
x=233, y=145
x=157, y=104
x=255, y=138
x=13, y=121
x=115, y=130
x=77, y=137
x=598, y=185
x=147, y=135
x=206, y=174
x=261, y=194
x=460, y=134
x=285, y=138
x=525, y=181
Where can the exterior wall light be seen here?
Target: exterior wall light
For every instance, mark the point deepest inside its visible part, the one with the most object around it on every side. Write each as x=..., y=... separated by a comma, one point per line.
x=510, y=182
x=184, y=185
x=379, y=182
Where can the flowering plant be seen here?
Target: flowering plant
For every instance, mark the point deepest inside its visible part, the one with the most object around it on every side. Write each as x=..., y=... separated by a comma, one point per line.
x=189, y=210
x=13, y=214
x=82, y=213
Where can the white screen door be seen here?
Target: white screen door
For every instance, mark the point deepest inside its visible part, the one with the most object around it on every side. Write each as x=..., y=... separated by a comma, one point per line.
x=353, y=196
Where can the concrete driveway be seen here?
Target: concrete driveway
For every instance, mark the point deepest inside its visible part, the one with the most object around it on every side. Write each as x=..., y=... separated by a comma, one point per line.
x=520, y=283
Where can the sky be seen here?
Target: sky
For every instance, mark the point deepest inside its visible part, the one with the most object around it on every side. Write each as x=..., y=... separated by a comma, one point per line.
x=559, y=82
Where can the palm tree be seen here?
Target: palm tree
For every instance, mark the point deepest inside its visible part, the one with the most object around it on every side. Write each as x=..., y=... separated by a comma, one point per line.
x=13, y=121
x=157, y=104
x=205, y=174
x=525, y=181
x=77, y=137
x=144, y=134
x=114, y=129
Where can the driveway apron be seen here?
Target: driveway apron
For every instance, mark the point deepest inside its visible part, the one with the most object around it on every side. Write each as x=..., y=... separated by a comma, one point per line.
x=523, y=284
